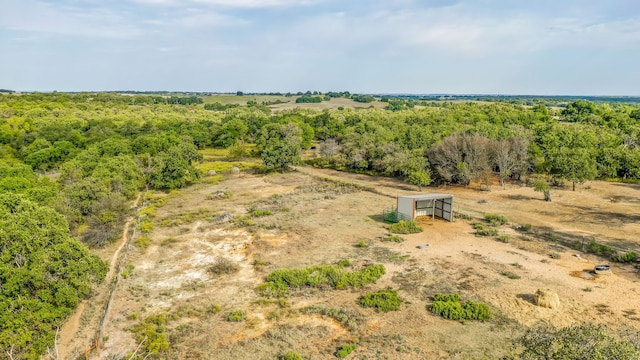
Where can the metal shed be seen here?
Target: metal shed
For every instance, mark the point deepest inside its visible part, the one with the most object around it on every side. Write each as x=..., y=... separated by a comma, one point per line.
x=434, y=205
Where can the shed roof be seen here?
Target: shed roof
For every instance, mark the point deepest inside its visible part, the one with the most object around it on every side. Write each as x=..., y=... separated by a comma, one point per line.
x=427, y=196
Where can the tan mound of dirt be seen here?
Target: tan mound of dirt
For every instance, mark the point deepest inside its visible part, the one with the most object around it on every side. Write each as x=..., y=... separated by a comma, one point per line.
x=547, y=298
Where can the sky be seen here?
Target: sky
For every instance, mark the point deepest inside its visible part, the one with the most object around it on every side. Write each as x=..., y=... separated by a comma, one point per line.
x=542, y=47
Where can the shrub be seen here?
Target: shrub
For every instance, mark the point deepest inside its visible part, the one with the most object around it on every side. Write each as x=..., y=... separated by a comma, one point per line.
x=525, y=227
x=260, y=213
x=143, y=242
x=503, y=238
x=627, y=257
x=405, y=227
x=483, y=230
x=345, y=350
x=496, y=220
x=152, y=333
x=237, y=316
x=223, y=266
x=344, y=263
x=146, y=226
x=600, y=249
x=127, y=271
x=449, y=307
x=389, y=217
x=510, y=275
x=383, y=300
x=291, y=355
x=362, y=243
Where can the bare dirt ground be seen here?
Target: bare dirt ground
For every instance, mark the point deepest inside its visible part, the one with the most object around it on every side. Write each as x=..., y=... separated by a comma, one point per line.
x=319, y=222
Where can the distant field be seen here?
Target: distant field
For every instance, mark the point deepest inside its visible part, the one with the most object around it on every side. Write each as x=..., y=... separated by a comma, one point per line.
x=290, y=102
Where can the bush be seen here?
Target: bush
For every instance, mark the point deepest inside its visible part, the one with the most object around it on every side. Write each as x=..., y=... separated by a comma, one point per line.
x=237, y=316
x=223, y=266
x=483, y=230
x=600, y=249
x=389, y=217
x=449, y=307
x=143, y=242
x=291, y=355
x=344, y=263
x=525, y=227
x=345, y=350
x=260, y=213
x=405, y=227
x=146, y=226
x=496, y=220
x=503, y=238
x=627, y=257
x=510, y=275
x=383, y=300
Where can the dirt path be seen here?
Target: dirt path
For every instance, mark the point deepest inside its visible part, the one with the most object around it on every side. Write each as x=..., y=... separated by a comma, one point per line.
x=69, y=331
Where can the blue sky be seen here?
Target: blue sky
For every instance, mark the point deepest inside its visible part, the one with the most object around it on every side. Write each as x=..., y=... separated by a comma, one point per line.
x=545, y=47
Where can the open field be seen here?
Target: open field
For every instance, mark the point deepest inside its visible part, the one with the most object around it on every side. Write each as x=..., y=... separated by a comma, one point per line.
x=314, y=221
x=289, y=103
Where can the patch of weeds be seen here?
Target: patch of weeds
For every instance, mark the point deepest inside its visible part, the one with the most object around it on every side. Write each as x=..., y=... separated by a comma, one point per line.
x=345, y=316
x=223, y=266
x=127, y=271
x=290, y=355
x=588, y=289
x=345, y=350
x=510, y=275
x=392, y=238
x=524, y=228
x=187, y=217
x=259, y=263
x=554, y=255
x=213, y=309
x=382, y=300
x=132, y=316
x=503, y=239
x=219, y=195
x=243, y=221
x=450, y=306
x=516, y=265
x=389, y=217
x=362, y=243
x=146, y=226
x=405, y=227
x=627, y=257
x=149, y=211
x=279, y=281
x=495, y=219
x=600, y=249
x=344, y=263
x=261, y=213
x=143, y=242
x=237, y=316
x=152, y=333
x=484, y=230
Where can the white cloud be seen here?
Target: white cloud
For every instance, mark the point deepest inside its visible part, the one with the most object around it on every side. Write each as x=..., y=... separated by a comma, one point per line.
x=41, y=17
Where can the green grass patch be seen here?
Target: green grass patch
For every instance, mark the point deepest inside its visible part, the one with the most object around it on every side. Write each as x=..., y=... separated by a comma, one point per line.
x=146, y=226
x=392, y=238
x=237, y=316
x=405, y=227
x=290, y=355
x=450, y=306
x=261, y=213
x=510, y=275
x=383, y=300
x=280, y=281
x=484, y=230
x=495, y=219
x=627, y=257
x=345, y=350
x=143, y=242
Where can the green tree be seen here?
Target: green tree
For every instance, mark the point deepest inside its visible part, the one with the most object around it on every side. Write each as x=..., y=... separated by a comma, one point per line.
x=585, y=341
x=44, y=274
x=542, y=185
